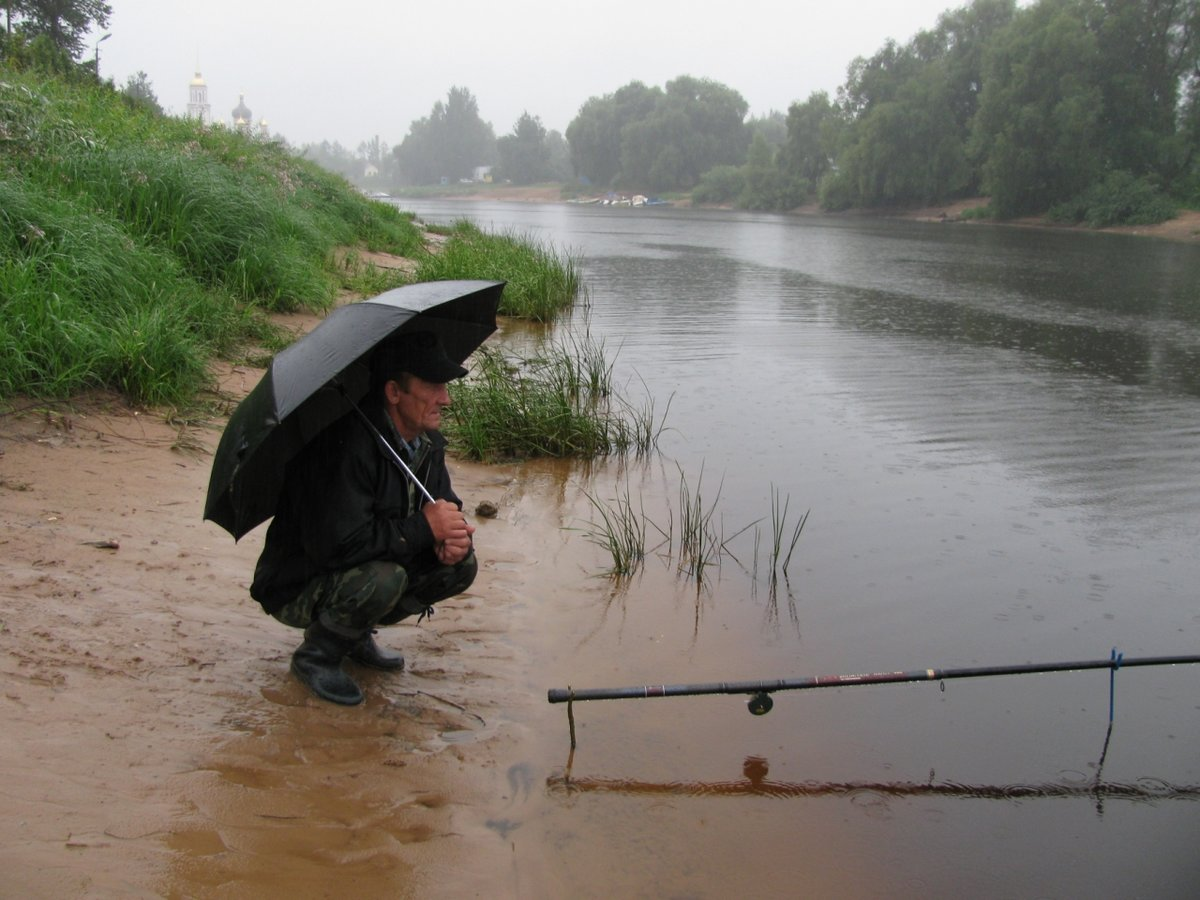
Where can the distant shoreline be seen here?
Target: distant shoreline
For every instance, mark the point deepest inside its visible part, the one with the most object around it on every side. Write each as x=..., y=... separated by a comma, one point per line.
x=1184, y=228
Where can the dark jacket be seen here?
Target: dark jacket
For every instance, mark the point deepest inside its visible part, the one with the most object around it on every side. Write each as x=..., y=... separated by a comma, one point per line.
x=345, y=502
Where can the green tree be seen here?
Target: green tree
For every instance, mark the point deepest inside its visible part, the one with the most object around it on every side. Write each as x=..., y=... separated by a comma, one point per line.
x=874, y=80
x=66, y=23
x=772, y=126
x=373, y=152
x=907, y=114
x=765, y=184
x=374, y=164
x=1188, y=183
x=594, y=135
x=523, y=154
x=1040, y=119
x=812, y=128
x=720, y=184
x=449, y=143
x=140, y=93
x=333, y=157
x=695, y=125
x=1158, y=47
x=908, y=151
x=960, y=42
x=558, y=157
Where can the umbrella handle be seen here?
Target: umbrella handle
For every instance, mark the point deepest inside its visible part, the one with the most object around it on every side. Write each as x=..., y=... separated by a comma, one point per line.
x=396, y=458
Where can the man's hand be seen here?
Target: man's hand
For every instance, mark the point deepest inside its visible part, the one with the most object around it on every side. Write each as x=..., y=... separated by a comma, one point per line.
x=451, y=531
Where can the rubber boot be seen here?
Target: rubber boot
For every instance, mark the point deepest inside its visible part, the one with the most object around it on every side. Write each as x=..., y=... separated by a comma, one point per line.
x=368, y=653
x=317, y=662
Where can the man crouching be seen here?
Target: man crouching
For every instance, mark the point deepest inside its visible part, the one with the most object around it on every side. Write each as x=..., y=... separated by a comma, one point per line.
x=354, y=543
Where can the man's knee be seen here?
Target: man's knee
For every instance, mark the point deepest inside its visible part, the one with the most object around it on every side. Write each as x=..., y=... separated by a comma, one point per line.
x=467, y=570
x=433, y=585
x=354, y=599
x=447, y=581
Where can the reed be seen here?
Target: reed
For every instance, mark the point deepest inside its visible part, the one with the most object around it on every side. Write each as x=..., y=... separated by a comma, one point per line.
x=542, y=283
x=621, y=531
x=779, y=513
x=783, y=545
x=550, y=404
x=700, y=546
x=579, y=368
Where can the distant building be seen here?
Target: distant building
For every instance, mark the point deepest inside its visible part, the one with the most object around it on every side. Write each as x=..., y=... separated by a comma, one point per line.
x=243, y=120
x=198, y=107
x=241, y=115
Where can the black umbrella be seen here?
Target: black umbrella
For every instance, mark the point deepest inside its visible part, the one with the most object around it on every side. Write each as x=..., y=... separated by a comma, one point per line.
x=321, y=377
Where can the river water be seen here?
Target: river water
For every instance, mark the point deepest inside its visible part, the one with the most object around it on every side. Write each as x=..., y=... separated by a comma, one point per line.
x=995, y=435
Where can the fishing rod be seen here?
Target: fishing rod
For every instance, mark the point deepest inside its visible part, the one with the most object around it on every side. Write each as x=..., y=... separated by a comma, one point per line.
x=760, y=701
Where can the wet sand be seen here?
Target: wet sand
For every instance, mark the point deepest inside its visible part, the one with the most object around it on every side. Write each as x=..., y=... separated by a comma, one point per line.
x=155, y=743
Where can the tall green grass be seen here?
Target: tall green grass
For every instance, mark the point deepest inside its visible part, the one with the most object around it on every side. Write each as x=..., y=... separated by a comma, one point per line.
x=514, y=408
x=621, y=531
x=137, y=246
x=699, y=541
x=543, y=282
x=83, y=306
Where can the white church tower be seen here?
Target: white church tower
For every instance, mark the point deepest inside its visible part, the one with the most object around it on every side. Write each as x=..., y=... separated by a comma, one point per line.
x=198, y=107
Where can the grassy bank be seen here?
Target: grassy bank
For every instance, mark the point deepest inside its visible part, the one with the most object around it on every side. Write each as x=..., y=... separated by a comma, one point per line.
x=542, y=282
x=137, y=246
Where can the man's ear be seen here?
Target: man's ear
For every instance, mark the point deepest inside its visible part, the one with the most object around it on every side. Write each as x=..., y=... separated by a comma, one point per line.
x=392, y=391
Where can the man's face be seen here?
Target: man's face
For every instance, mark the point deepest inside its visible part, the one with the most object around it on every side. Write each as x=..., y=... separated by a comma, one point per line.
x=417, y=407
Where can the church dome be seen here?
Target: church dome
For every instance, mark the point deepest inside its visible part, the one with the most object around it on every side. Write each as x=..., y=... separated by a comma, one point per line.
x=198, y=81
x=241, y=112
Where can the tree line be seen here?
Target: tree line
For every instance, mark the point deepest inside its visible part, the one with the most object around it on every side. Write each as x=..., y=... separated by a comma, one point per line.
x=1061, y=105
x=1086, y=109
x=51, y=36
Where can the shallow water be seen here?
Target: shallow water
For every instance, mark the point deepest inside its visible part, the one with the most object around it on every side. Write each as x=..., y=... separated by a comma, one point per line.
x=996, y=435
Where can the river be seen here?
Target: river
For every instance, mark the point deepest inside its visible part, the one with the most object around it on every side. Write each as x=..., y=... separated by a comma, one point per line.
x=994, y=433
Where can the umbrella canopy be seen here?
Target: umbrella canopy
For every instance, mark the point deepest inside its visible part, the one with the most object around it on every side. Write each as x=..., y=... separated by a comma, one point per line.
x=314, y=382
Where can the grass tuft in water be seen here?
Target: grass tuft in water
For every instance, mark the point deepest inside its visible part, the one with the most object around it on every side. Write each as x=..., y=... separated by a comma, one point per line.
x=779, y=514
x=621, y=531
x=557, y=404
x=699, y=542
x=700, y=546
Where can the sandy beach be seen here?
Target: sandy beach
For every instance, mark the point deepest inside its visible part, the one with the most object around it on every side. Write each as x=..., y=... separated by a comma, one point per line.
x=155, y=743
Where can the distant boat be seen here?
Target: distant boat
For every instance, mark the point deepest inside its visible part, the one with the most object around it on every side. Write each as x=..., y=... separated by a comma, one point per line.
x=636, y=200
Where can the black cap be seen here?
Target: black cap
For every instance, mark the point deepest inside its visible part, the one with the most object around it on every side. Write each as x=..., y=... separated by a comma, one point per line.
x=419, y=353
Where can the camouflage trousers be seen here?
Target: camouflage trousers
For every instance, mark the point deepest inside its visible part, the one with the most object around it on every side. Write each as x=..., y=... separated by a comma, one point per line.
x=376, y=593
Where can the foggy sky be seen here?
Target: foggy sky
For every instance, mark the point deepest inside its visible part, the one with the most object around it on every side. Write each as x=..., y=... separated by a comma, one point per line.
x=351, y=70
